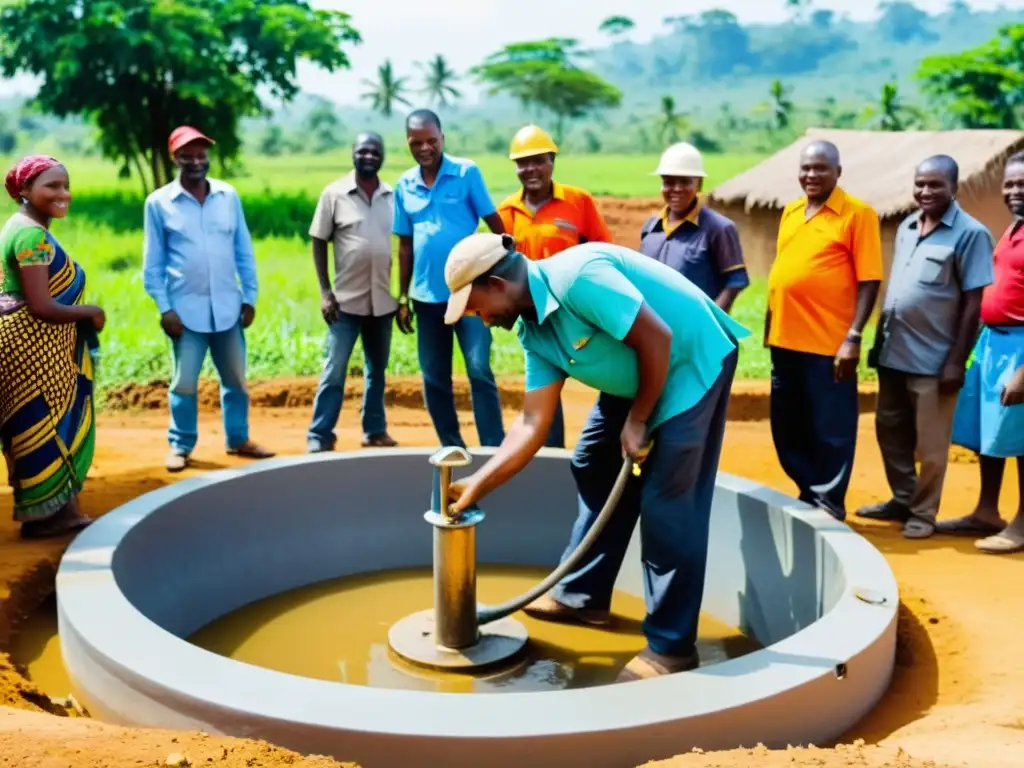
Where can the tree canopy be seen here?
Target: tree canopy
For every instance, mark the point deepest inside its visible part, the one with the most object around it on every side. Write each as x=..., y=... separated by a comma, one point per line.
x=139, y=68
x=544, y=74
x=982, y=87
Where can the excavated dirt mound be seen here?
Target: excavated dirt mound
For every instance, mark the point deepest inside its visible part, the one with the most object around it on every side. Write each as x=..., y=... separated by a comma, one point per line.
x=749, y=400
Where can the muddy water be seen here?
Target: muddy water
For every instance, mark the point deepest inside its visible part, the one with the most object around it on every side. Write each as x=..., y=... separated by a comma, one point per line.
x=35, y=648
x=338, y=631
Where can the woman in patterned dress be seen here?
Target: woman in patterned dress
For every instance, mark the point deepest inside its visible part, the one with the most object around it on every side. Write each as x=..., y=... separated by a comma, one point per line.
x=47, y=337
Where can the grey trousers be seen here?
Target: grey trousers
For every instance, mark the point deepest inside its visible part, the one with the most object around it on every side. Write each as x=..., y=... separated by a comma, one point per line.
x=913, y=417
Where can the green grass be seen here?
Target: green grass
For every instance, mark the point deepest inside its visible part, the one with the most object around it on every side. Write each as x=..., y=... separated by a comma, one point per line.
x=608, y=174
x=288, y=336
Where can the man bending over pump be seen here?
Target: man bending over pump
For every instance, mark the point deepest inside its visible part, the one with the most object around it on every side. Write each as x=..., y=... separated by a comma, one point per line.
x=663, y=356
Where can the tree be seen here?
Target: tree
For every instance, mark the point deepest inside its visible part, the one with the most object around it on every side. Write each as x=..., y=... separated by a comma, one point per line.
x=386, y=91
x=830, y=115
x=273, y=142
x=982, y=87
x=324, y=126
x=617, y=26
x=545, y=75
x=901, y=21
x=439, y=80
x=671, y=124
x=138, y=68
x=891, y=114
x=781, y=106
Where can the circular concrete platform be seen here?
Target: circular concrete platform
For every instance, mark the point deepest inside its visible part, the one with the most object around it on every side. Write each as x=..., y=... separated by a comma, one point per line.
x=820, y=599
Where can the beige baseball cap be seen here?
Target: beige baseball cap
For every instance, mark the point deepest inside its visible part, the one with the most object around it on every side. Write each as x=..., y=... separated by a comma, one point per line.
x=469, y=259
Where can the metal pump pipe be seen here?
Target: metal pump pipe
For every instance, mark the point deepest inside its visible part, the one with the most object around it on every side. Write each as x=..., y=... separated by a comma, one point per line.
x=456, y=614
x=455, y=623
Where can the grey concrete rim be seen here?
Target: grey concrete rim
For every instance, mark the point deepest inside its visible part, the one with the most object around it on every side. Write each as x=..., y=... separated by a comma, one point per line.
x=104, y=622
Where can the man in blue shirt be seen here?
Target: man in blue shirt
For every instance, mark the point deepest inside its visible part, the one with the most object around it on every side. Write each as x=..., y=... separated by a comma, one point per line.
x=663, y=356
x=437, y=204
x=197, y=249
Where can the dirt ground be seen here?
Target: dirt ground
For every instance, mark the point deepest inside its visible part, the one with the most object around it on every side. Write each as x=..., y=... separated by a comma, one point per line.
x=957, y=697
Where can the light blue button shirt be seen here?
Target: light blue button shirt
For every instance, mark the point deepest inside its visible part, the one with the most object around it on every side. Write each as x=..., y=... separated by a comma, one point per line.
x=437, y=218
x=587, y=300
x=198, y=259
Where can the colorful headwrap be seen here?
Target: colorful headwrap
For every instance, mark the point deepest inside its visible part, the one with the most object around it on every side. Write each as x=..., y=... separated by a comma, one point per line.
x=26, y=170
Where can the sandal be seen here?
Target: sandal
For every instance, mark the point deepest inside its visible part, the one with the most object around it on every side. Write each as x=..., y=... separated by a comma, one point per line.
x=648, y=664
x=969, y=525
x=1000, y=544
x=916, y=528
x=55, y=526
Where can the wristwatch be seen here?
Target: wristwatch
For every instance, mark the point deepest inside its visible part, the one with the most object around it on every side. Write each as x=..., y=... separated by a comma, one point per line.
x=854, y=337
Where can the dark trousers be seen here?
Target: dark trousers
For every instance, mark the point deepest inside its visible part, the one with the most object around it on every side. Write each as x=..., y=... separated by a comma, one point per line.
x=435, y=346
x=672, y=499
x=556, y=435
x=814, y=426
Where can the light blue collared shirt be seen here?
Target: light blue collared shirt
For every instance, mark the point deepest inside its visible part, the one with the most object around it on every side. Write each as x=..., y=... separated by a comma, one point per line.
x=587, y=299
x=438, y=217
x=195, y=256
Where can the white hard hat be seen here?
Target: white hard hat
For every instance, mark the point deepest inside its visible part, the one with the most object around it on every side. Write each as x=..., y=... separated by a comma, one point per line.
x=681, y=159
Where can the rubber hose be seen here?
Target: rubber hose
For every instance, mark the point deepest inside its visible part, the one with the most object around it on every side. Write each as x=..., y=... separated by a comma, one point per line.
x=487, y=614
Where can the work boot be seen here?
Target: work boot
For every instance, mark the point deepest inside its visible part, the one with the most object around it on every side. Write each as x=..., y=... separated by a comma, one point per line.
x=549, y=609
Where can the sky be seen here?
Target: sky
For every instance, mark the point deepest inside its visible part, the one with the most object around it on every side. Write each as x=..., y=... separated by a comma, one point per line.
x=465, y=31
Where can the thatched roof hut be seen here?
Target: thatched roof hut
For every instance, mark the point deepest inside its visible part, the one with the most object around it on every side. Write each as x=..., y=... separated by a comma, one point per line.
x=878, y=167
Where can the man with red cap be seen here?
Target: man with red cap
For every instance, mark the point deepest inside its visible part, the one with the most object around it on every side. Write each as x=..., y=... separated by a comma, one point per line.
x=197, y=250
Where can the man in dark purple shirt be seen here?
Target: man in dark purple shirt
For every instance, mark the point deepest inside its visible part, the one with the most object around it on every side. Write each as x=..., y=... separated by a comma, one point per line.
x=700, y=243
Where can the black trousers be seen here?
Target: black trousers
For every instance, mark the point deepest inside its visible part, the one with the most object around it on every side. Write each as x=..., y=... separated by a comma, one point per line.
x=814, y=426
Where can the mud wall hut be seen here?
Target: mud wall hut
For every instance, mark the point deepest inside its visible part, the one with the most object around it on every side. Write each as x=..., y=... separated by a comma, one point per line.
x=878, y=167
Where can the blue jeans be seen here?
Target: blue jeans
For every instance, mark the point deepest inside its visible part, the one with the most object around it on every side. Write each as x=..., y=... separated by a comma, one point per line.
x=672, y=499
x=435, y=345
x=814, y=426
x=227, y=349
x=341, y=340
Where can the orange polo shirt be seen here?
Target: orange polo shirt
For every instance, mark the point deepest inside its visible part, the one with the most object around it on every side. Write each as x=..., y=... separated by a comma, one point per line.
x=812, y=286
x=569, y=218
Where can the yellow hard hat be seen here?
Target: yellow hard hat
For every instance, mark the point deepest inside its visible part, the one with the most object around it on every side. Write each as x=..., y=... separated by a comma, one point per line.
x=531, y=140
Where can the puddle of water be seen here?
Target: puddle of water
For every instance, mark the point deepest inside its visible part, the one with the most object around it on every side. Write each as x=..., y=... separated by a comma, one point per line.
x=338, y=631
x=35, y=647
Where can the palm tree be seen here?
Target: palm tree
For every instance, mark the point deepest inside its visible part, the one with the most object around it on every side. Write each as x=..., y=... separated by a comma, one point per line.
x=892, y=114
x=780, y=105
x=671, y=124
x=438, y=81
x=386, y=91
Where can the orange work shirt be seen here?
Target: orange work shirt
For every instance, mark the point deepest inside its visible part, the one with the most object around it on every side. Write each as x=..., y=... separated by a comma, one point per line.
x=812, y=286
x=569, y=218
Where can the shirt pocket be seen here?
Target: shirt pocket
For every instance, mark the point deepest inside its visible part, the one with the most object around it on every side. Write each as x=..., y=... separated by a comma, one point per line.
x=450, y=199
x=577, y=341
x=934, y=265
x=220, y=219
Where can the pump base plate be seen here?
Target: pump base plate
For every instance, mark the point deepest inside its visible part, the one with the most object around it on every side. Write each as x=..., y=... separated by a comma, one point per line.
x=413, y=639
